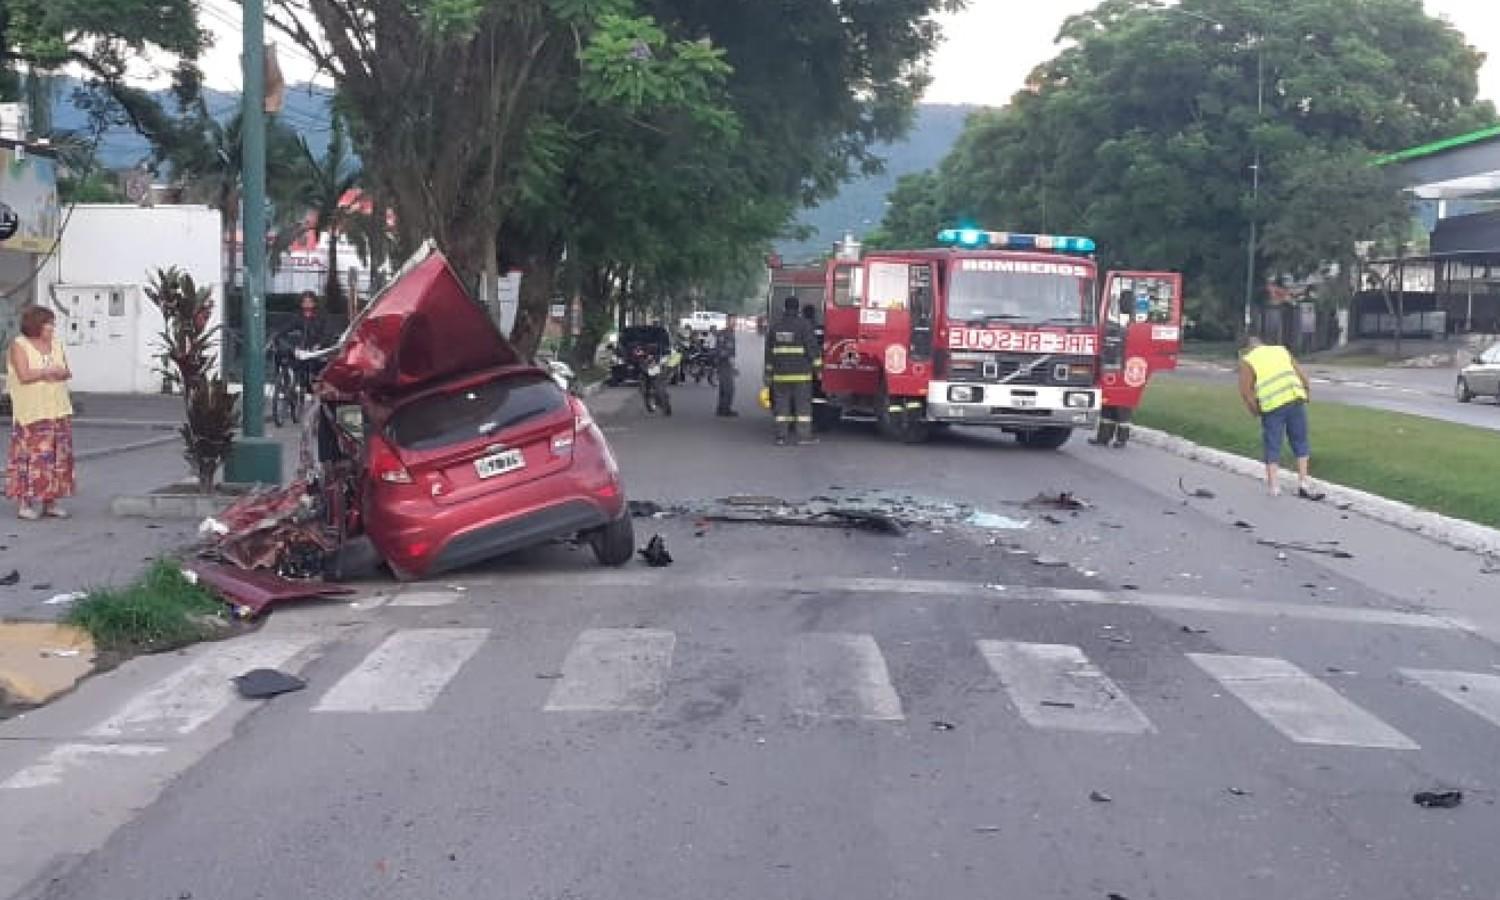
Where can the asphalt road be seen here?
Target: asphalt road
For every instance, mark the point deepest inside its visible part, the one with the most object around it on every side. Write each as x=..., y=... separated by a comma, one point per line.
x=1418, y=392
x=1133, y=700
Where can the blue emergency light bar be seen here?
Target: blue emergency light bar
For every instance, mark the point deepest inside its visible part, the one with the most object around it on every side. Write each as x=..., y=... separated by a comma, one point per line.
x=1006, y=240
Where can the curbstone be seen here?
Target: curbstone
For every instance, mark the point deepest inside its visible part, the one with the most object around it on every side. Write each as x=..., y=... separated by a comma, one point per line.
x=168, y=506
x=1456, y=533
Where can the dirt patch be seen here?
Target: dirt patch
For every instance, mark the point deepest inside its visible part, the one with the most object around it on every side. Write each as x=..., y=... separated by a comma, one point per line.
x=40, y=661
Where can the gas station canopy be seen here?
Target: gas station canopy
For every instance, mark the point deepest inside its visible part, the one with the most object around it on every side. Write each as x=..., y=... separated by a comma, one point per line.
x=1456, y=168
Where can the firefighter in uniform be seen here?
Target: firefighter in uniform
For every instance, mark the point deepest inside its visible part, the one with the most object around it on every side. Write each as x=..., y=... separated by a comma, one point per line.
x=724, y=364
x=810, y=313
x=792, y=354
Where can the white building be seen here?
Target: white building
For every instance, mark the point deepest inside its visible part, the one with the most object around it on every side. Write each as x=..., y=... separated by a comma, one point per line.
x=107, y=255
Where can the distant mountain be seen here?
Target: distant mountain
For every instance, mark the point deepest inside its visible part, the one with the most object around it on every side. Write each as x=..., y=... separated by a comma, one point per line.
x=305, y=110
x=860, y=205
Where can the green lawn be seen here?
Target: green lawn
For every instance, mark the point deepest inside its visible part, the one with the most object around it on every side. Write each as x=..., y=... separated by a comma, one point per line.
x=161, y=610
x=1448, y=468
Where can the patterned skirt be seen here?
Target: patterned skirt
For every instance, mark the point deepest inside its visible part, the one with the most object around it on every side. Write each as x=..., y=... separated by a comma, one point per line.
x=40, y=463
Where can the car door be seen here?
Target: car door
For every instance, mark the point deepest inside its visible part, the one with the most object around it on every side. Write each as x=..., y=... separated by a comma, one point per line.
x=1141, y=320
x=1486, y=377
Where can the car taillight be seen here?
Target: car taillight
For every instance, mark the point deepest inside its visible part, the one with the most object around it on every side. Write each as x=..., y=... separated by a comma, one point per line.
x=385, y=465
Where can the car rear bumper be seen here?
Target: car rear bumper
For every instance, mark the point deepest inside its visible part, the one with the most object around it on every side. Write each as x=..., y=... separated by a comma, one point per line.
x=420, y=537
x=1014, y=406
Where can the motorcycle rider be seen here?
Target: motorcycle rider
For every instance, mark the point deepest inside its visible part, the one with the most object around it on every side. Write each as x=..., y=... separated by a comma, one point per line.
x=724, y=353
x=309, y=331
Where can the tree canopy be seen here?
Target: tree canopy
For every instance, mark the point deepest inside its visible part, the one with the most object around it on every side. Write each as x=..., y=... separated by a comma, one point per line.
x=1143, y=131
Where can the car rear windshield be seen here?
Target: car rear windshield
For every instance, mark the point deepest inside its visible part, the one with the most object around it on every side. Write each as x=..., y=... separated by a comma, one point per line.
x=483, y=411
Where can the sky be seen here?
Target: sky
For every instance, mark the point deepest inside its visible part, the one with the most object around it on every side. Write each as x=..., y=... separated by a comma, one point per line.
x=994, y=45
x=989, y=50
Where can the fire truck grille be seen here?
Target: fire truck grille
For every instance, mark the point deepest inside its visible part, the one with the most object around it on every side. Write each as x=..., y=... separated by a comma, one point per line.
x=1021, y=369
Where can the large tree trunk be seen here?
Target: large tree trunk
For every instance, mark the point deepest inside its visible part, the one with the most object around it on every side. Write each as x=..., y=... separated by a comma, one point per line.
x=538, y=284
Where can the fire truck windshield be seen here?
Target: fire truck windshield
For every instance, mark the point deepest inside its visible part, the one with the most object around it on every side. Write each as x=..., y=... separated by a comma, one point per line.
x=984, y=290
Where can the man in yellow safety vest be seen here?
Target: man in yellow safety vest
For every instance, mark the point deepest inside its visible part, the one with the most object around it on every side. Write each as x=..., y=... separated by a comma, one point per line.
x=1274, y=388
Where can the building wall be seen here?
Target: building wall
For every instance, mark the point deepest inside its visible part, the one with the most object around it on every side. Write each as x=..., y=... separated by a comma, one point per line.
x=108, y=255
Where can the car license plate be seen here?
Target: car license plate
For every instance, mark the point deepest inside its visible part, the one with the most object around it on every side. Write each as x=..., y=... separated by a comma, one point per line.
x=1023, y=402
x=499, y=463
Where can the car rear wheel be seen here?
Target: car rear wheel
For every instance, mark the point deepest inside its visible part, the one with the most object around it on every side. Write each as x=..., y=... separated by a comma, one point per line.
x=1044, y=438
x=614, y=544
x=1462, y=391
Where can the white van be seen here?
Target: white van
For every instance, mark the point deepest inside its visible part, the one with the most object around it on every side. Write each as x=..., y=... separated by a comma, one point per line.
x=702, y=320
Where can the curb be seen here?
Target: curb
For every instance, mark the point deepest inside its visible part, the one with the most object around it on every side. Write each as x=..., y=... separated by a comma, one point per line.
x=1456, y=533
x=168, y=506
x=102, y=452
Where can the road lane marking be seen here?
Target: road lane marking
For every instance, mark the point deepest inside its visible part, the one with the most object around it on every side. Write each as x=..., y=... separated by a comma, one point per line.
x=614, y=670
x=1478, y=693
x=406, y=673
x=1055, y=686
x=58, y=762
x=1012, y=593
x=183, y=701
x=1298, y=705
x=841, y=676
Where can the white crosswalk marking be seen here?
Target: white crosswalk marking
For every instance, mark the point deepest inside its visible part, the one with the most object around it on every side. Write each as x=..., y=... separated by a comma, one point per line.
x=406, y=673
x=841, y=676
x=614, y=670
x=62, y=759
x=1298, y=705
x=426, y=598
x=1479, y=694
x=183, y=701
x=1055, y=686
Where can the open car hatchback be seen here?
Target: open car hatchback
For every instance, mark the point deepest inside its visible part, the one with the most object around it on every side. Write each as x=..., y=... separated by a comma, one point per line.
x=444, y=448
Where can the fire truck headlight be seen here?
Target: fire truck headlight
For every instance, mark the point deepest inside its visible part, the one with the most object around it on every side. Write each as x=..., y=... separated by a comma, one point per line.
x=962, y=393
x=1078, y=400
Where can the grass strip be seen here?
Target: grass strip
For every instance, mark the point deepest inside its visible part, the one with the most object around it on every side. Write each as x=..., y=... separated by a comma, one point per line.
x=159, y=611
x=1441, y=466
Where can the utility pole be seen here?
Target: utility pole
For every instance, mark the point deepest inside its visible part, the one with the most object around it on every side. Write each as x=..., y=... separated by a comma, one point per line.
x=1250, y=246
x=255, y=458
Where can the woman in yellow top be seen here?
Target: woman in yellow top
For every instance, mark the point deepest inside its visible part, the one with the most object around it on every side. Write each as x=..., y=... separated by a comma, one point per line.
x=39, y=469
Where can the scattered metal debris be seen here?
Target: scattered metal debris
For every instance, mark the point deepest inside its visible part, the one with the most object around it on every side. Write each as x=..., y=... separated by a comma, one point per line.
x=250, y=592
x=261, y=684
x=1199, y=493
x=1326, y=549
x=1438, y=799
x=1050, y=562
x=1100, y=797
x=1066, y=501
x=645, y=509
x=1060, y=704
x=990, y=520
x=1188, y=629
x=655, y=553
x=1239, y=792
x=278, y=529
x=1242, y=524
x=940, y=725
x=987, y=829
x=61, y=599
x=13, y=578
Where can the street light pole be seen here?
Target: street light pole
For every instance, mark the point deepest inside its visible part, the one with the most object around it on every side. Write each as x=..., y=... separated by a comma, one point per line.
x=1250, y=246
x=255, y=459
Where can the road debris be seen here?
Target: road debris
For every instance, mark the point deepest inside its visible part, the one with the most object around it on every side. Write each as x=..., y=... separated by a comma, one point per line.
x=993, y=521
x=655, y=553
x=61, y=599
x=276, y=529
x=1199, y=493
x=1050, y=562
x=1243, y=525
x=987, y=829
x=13, y=578
x=940, y=725
x=1060, y=704
x=262, y=684
x=1066, y=501
x=646, y=509
x=1325, y=549
x=251, y=592
x=1188, y=629
x=1100, y=797
x=1239, y=792
x=1438, y=799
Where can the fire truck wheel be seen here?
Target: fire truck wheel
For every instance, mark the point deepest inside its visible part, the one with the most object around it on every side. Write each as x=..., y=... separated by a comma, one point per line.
x=1044, y=438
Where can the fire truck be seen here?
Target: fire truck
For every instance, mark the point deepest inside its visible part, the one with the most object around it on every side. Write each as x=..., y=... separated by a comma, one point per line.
x=990, y=328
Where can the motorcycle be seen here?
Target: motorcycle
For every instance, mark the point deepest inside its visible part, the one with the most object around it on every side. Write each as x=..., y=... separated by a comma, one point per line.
x=655, y=372
x=700, y=364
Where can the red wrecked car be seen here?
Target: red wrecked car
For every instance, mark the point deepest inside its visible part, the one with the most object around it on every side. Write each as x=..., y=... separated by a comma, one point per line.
x=440, y=444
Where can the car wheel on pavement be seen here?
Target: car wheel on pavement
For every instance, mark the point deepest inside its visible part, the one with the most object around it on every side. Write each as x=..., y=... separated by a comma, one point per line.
x=1462, y=391
x=614, y=544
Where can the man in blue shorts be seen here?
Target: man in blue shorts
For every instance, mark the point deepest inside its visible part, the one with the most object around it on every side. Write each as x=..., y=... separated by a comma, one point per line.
x=1275, y=388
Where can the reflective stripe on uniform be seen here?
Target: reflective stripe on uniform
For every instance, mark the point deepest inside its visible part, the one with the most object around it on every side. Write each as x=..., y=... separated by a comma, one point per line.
x=915, y=404
x=786, y=419
x=788, y=351
x=804, y=419
x=1276, y=380
x=803, y=378
x=896, y=409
